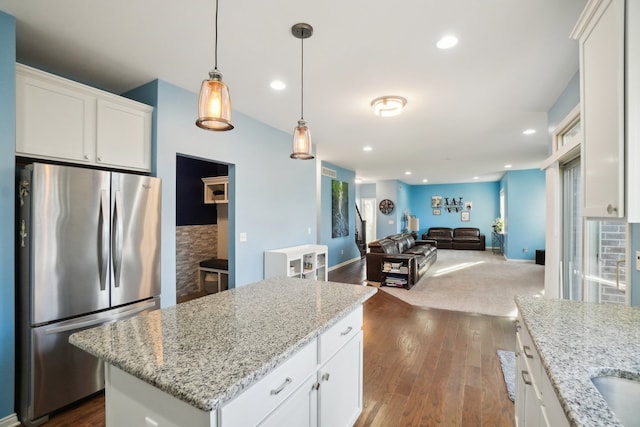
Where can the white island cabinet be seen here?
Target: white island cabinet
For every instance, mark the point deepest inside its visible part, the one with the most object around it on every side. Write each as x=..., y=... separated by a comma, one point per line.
x=273, y=353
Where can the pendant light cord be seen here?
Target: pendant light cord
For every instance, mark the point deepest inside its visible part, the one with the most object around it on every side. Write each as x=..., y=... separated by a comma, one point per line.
x=215, y=66
x=302, y=79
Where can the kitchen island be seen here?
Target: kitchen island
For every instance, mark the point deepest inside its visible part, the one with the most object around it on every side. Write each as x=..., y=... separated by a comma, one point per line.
x=577, y=342
x=259, y=354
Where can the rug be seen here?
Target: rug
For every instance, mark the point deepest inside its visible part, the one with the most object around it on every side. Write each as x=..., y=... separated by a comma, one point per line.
x=475, y=282
x=508, y=364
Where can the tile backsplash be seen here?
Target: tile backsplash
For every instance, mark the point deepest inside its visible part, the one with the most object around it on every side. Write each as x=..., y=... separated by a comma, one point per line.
x=194, y=243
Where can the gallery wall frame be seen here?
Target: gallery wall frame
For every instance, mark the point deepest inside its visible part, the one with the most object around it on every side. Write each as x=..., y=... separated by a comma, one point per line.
x=465, y=216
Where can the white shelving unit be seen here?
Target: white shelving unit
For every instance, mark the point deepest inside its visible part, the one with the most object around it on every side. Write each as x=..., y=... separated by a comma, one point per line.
x=216, y=189
x=305, y=261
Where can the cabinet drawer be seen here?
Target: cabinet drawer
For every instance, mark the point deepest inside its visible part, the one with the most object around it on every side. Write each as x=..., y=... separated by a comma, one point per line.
x=338, y=335
x=265, y=395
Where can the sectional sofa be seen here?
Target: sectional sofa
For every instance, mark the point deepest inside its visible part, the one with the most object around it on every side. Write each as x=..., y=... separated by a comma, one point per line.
x=419, y=255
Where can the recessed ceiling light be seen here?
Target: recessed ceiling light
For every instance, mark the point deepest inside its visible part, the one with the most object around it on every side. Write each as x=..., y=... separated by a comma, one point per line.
x=388, y=106
x=407, y=173
x=358, y=180
x=367, y=148
x=425, y=180
x=447, y=42
x=508, y=166
x=475, y=177
x=277, y=85
x=529, y=132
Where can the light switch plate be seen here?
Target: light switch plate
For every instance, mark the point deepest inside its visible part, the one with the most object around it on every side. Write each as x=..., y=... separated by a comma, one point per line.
x=243, y=236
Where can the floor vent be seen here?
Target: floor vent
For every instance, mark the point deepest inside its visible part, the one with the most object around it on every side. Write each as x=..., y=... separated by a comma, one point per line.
x=329, y=172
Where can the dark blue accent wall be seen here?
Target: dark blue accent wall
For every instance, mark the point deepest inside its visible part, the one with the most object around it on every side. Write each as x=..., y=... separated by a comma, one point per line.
x=190, y=206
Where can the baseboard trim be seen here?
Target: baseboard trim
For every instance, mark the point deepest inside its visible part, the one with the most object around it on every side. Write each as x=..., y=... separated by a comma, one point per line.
x=10, y=421
x=519, y=260
x=342, y=264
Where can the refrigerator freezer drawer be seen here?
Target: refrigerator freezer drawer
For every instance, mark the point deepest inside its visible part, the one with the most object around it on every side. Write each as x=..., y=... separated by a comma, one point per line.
x=63, y=372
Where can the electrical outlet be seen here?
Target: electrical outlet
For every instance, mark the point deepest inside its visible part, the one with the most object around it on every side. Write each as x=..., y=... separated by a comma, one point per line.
x=309, y=230
x=243, y=236
x=525, y=250
x=341, y=251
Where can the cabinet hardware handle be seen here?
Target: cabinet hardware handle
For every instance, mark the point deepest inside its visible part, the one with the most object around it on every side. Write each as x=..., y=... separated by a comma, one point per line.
x=525, y=349
x=611, y=209
x=279, y=389
x=325, y=377
x=99, y=159
x=315, y=386
x=346, y=331
x=517, y=325
x=86, y=157
x=525, y=378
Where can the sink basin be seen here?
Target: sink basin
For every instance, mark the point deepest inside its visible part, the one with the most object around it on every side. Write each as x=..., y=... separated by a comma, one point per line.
x=623, y=397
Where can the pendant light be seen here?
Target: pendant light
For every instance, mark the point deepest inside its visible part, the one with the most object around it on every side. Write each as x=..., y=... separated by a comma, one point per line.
x=301, y=136
x=214, y=103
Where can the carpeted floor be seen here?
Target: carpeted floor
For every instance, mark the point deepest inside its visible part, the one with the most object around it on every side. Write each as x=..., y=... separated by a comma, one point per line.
x=475, y=282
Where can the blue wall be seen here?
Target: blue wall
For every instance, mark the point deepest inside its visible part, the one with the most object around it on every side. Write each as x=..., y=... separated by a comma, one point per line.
x=341, y=249
x=566, y=102
x=484, y=196
x=7, y=207
x=273, y=198
x=387, y=225
x=525, y=213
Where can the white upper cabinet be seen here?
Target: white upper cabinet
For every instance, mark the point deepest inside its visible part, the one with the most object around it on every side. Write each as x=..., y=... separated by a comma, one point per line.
x=601, y=33
x=62, y=120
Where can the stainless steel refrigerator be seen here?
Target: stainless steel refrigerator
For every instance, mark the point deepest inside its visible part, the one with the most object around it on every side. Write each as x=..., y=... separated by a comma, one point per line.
x=88, y=245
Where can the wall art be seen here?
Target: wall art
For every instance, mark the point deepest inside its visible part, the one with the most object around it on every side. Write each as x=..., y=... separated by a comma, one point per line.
x=339, y=208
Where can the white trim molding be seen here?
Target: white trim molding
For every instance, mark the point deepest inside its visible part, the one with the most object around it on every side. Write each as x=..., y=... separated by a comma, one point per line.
x=10, y=421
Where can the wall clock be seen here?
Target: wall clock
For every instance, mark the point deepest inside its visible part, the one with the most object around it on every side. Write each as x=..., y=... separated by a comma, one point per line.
x=386, y=206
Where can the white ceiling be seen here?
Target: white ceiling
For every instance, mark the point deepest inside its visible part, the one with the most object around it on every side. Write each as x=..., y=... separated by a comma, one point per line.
x=467, y=106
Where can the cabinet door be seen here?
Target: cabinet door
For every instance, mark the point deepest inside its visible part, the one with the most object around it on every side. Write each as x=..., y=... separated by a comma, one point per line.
x=53, y=120
x=602, y=75
x=299, y=410
x=340, y=392
x=123, y=135
x=520, y=390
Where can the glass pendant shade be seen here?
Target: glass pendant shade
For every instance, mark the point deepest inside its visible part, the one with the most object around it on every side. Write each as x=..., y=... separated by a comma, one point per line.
x=302, y=142
x=214, y=104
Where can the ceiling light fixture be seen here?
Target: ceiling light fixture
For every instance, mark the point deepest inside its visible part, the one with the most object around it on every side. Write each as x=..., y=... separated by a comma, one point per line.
x=407, y=173
x=367, y=148
x=529, y=132
x=447, y=42
x=301, y=135
x=214, y=102
x=508, y=166
x=388, y=106
x=425, y=180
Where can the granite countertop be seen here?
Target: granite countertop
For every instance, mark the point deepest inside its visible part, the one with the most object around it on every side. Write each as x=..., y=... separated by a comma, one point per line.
x=579, y=341
x=208, y=350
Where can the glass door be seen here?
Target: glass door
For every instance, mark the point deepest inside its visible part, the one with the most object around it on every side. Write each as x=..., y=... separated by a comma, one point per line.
x=571, y=268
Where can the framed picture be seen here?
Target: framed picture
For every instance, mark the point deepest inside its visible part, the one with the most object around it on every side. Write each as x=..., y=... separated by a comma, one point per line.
x=436, y=202
x=465, y=216
x=468, y=206
x=436, y=211
x=339, y=209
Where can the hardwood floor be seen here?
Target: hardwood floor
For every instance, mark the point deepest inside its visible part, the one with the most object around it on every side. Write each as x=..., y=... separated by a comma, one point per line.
x=422, y=367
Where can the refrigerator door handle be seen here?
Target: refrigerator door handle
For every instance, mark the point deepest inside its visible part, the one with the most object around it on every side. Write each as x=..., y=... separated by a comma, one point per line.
x=100, y=320
x=103, y=239
x=116, y=238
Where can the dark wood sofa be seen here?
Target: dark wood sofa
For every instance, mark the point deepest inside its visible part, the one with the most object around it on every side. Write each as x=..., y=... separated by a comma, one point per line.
x=468, y=238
